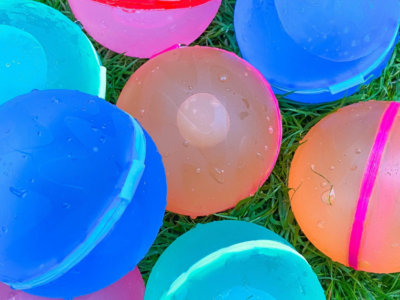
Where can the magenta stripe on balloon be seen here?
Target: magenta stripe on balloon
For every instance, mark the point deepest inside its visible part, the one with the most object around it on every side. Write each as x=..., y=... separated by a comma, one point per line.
x=368, y=182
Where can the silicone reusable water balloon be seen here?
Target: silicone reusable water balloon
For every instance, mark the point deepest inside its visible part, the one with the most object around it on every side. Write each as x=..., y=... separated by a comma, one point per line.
x=83, y=193
x=318, y=51
x=215, y=121
x=346, y=179
x=40, y=48
x=232, y=260
x=144, y=28
x=130, y=287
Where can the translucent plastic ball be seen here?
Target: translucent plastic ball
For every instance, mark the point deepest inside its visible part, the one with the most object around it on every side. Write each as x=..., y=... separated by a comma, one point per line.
x=144, y=28
x=40, y=48
x=232, y=260
x=82, y=191
x=318, y=50
x=215, y=121
x=130, y=287
x=345, y=179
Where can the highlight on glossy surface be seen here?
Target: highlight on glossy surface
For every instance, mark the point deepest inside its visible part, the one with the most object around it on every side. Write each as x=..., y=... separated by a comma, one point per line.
x=130, y=287
x=318, y=51
x=345, y=177
x=214, y=119
x=144, y=28
x=232, y=260
x=83, y=193
x=40, y=48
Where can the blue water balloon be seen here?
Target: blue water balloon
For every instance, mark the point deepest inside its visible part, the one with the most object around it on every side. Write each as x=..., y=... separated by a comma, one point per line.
x=320, y=50
x=232, y=260
x=82, y=191
x=40, y=48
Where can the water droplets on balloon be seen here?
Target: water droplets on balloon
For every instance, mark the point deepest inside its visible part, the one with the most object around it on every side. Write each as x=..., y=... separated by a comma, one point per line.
x=328, y=197
x=223, y=78
x=270, y=129
x=321, y=224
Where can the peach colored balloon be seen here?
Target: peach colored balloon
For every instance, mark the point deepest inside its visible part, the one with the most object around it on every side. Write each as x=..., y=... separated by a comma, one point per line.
x=130, y=287
x=345, y=180
x=214, y=119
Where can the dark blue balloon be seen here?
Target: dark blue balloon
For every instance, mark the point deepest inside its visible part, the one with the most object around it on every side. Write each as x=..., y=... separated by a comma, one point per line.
x=82, y=191
x=319, y=50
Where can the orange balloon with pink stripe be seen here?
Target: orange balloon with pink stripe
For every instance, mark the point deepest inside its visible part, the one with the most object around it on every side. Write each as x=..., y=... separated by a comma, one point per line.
x=345, y=179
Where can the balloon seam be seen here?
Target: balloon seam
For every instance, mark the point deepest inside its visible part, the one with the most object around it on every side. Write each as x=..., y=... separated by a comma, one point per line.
x=153, y=5
x=368, y=182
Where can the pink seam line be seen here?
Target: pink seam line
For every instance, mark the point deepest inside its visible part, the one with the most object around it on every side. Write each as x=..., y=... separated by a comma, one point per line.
x=368, y=182
x=166, y=50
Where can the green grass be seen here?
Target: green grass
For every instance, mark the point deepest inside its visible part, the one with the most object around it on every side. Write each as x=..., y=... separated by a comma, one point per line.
x=270, y=207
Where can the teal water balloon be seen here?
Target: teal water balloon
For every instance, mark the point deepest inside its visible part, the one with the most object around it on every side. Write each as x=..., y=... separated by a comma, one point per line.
x=232, y=260
x=40, y=48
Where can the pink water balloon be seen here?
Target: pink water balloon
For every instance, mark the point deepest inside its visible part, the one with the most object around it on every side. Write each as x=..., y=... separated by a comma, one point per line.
x=130, y=287
x=144, y=28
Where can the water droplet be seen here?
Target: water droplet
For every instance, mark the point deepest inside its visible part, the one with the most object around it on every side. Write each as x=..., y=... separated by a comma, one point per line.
x=395, y=245
x=246, y=74
x=265, y=148
x=166, y=154
x=39, y=133
x=270, y=129
x=367, y=38
x=186, y=143
x=94, y=128
x=246, y=102
x=79, y=24
x=243, y=115
x=142, y=113
x=8, y=65
x=328, y=197
x=4, y=229
x=218, y=174
x=353, y=167
x=358, y=151
x=321, y=224
x=192, y=190
x=32, y=180
x=198, y=170
x=331, y=168
x=364, y=264
x=66, y=205
x=18, y=193
x=69, y=139
x=259, y=156
x=190, y=87
x=223, y=78
x=95, y=149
